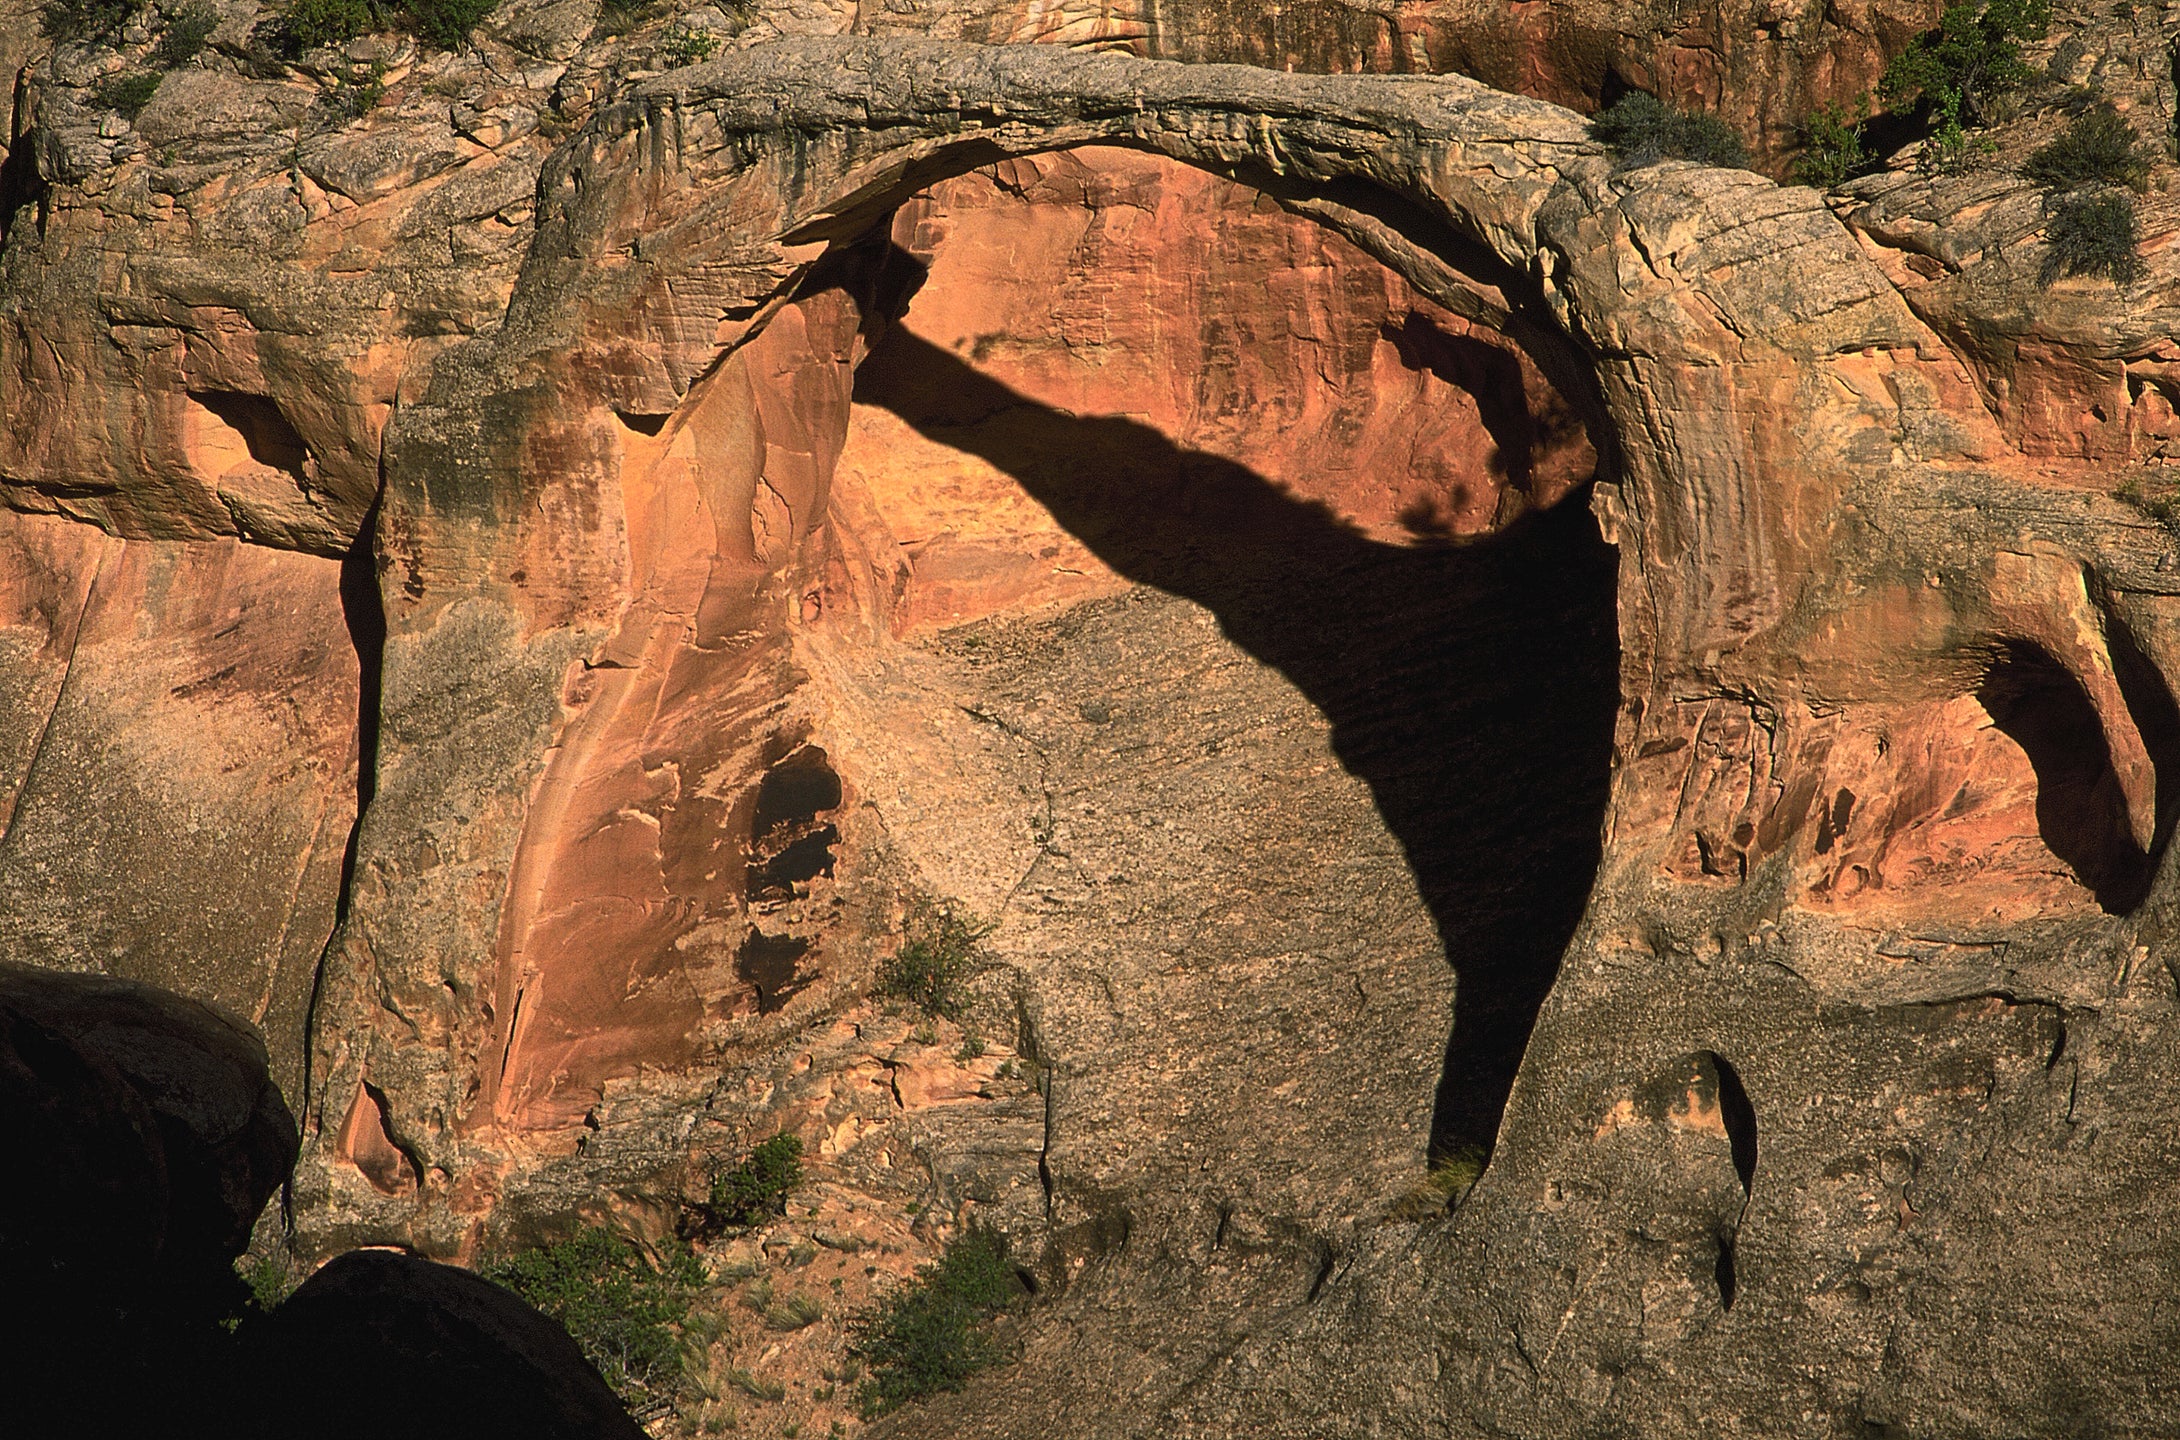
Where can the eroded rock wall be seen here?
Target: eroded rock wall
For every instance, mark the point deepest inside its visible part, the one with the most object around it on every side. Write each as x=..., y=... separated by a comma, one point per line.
x=1617, y=603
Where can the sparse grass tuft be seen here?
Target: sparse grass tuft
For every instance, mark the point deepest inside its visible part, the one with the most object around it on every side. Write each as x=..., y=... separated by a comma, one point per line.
x=2097, y=148
x=621, y=1309
x=937, y=955
x=1642, y=130
x=1448, y=1180
x=2092, y=233
x=933, y=1333
x=758, y=1387
x=2159, y=499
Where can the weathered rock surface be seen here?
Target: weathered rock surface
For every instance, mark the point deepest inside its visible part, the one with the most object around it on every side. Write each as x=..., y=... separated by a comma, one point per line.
x=1170, y=511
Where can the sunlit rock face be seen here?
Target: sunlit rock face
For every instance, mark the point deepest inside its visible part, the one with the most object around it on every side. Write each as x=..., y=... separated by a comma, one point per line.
x=1418, y=642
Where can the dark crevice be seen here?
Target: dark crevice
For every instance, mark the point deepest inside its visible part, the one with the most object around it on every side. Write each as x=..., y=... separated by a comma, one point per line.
x=2081, y=811
x=2157, y=720
x=1472, y=686
x=1740, y=1120
x=790, y=842
x=365, y=615
x=1723, y=1273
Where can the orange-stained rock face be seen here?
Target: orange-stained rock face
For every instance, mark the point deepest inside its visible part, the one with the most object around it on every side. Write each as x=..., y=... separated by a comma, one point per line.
x=179, y=779
x=1105, y=282
x=627, y=936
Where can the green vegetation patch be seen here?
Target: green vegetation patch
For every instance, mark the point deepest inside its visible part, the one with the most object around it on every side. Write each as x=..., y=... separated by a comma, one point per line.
x=445, y=24
x=1831, y=147
x=441, y=24
x=2092, y=234
x=933, y=1333
x=1972, y=56
x=1642, y=130
x=185, y=37
x=127, y=94
x=936, y=958
x=84, y=21
x=2097, y=148
x=621, y=1309
x=308, y=24
x=755, y=1189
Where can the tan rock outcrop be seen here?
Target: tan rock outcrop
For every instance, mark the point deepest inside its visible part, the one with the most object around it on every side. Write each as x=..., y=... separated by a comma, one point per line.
x=1151, y=507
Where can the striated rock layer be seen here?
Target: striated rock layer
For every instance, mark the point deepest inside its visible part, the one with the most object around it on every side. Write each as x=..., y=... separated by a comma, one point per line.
x=1417, y=642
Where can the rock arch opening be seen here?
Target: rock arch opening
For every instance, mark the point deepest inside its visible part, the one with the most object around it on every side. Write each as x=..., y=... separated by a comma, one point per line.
x=1085, y=406
x=2081, y=807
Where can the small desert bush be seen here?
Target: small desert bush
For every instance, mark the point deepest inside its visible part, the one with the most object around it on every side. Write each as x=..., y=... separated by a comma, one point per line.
x=185, y=36
x=756, y=1188
x=1642, y=130
x=2097, y=148
x=936, y=958
x=621, y=1309
x=932, y=1333
x=2092, y=233
x=84, y=21
x=688, y=45
x=1831, y=148
x=128, y=93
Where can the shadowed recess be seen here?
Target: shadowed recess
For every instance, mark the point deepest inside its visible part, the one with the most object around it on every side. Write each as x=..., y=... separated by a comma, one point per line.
x=265, y=431
x=2081, y=810
x=1471, y=686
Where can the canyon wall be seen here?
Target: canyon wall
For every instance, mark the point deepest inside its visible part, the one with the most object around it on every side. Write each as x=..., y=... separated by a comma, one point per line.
x=1422, y=644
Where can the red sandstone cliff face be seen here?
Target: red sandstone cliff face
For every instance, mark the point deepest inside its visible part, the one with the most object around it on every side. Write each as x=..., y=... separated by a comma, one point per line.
x=1151, y=508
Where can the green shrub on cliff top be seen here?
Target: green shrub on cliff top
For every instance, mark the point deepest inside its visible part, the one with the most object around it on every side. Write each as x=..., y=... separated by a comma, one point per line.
x=83, y=21
x=1642, y=130
x=441, y=24
x=1831, y=147
x=1973, y=55
x=2092, y=234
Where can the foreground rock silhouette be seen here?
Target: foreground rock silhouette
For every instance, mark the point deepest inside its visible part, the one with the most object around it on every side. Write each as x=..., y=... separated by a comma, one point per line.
x=152, y=1136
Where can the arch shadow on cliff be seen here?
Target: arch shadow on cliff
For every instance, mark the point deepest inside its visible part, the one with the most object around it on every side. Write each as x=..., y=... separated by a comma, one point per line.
x=1472, y=686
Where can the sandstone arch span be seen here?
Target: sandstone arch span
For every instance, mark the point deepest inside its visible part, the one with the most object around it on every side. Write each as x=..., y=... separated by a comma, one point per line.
x=556, y=574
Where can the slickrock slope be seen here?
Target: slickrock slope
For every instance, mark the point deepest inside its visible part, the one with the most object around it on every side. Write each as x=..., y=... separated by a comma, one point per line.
x=1416, y=640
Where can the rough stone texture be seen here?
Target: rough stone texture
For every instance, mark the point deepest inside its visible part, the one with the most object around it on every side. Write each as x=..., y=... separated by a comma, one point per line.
x=877, y=486
x=178, y=778
x=1764, y=66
